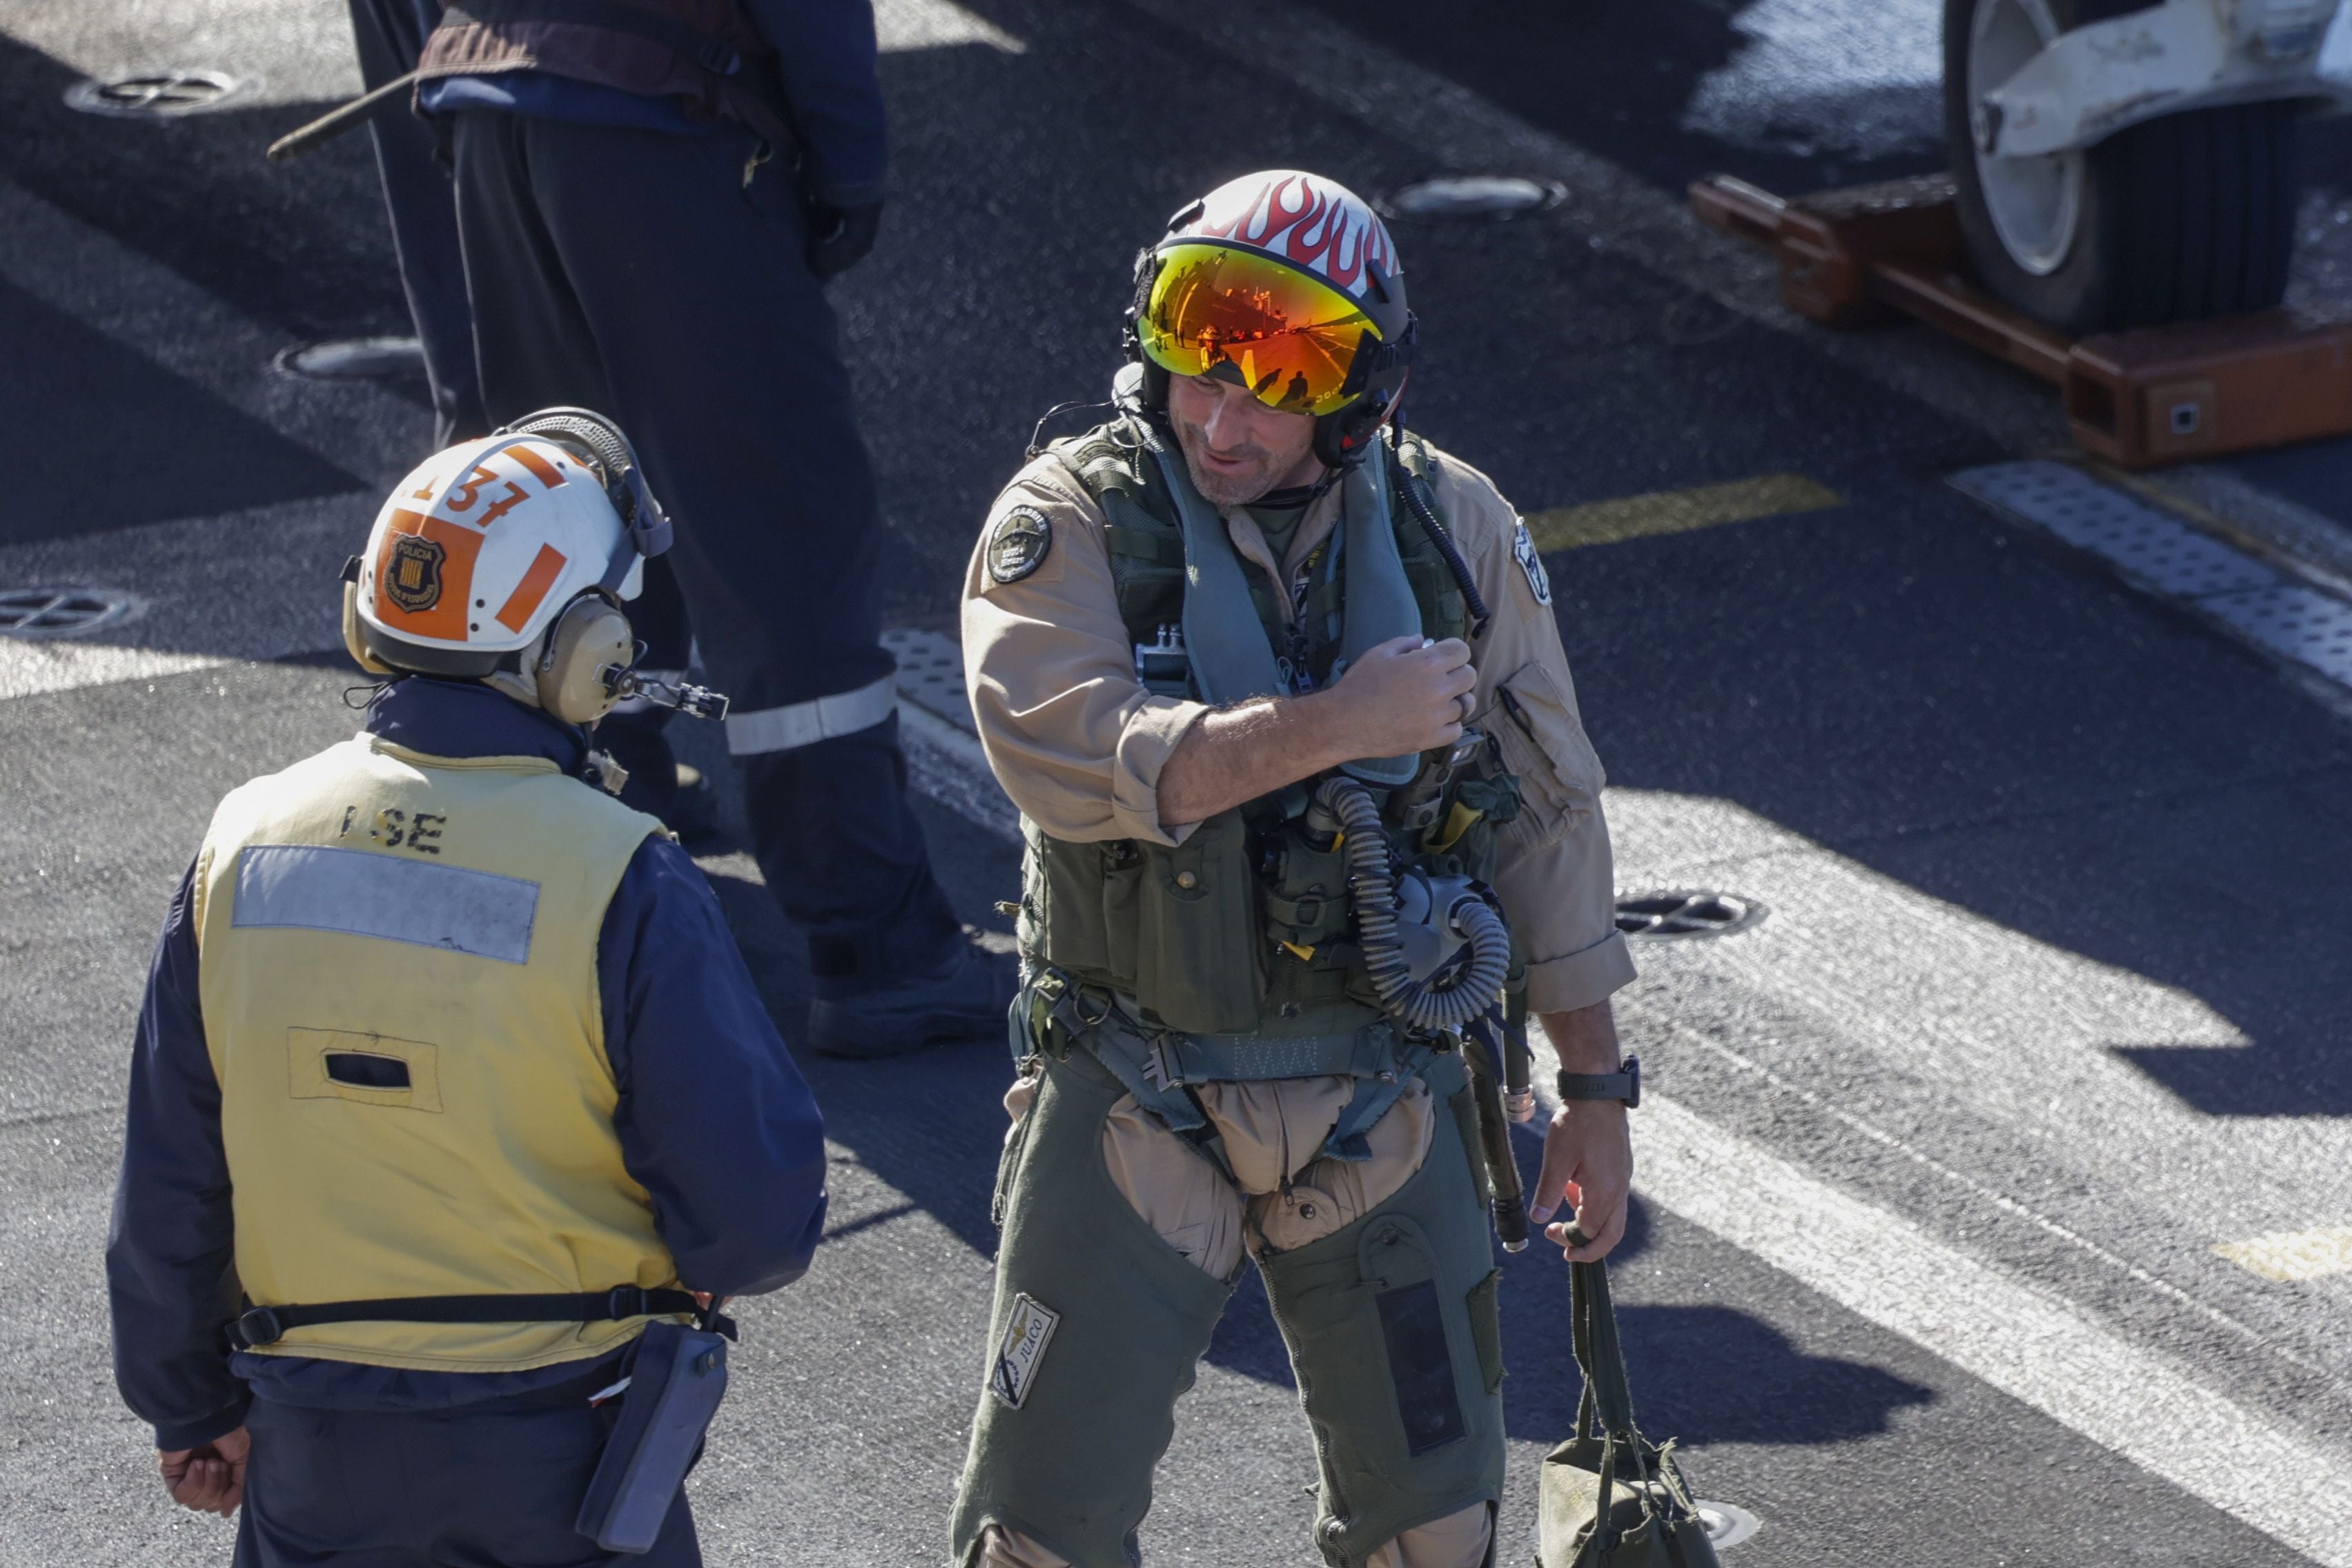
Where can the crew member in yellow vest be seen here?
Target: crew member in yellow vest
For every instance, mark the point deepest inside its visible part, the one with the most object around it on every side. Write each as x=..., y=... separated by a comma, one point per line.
x=1280, y=695
x=450, y=1078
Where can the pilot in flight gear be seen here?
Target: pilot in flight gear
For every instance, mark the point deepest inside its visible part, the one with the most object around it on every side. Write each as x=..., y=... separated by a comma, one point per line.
x=450, y=1079
x=1305, y=793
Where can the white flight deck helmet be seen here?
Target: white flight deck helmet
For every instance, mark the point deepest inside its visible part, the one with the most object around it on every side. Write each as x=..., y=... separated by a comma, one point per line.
x=506, y=559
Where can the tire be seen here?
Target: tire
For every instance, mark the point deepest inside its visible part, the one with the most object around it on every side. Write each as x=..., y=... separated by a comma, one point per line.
x=2175, y=219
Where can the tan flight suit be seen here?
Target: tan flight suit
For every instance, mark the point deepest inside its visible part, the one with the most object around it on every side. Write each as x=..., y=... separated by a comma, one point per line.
x=1078, y=744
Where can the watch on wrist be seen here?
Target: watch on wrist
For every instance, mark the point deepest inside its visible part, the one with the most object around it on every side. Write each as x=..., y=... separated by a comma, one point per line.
x=1625, y=1084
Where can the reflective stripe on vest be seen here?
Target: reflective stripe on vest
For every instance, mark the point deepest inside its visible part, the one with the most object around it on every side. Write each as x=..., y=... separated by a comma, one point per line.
x=400, y=998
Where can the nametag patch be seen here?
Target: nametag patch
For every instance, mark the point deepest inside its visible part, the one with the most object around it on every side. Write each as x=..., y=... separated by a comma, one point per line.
x=1024, y=1350
x=315, y=888
x=1523, y=550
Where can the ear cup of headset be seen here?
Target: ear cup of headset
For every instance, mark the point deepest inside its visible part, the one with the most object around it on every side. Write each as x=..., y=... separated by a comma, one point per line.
x=589, y=636
x=354, y=638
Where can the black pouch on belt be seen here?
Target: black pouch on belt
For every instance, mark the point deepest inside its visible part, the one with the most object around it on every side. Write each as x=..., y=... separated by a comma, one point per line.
x=675, y=1387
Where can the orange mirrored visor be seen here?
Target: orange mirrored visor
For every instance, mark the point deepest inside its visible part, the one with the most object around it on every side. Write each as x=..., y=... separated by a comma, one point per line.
x=1287, y=336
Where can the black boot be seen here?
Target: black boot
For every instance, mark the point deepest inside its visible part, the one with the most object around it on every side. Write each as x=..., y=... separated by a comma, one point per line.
x=968, y=999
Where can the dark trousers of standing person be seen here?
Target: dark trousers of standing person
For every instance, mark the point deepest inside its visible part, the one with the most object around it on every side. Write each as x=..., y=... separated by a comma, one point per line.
x=423, y=212
x=353, y=1489
x=661, y=276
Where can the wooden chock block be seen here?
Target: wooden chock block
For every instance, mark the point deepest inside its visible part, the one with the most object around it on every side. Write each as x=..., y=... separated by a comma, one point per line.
x=1832, y=241
x=2235, y=384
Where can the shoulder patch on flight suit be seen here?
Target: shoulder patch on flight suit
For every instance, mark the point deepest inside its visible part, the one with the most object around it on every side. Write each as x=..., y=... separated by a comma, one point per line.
x=1523, y=550
x=1017, y=543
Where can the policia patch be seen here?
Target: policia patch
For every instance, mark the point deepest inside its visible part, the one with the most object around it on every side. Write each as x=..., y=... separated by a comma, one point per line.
x=412, y=577
x=1018, y=543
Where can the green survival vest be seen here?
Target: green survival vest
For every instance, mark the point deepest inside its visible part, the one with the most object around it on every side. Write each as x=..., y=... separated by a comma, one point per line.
x=1243, y=929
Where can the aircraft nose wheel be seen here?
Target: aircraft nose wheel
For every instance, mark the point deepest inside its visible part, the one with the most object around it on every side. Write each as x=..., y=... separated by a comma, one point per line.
x=2175, y=219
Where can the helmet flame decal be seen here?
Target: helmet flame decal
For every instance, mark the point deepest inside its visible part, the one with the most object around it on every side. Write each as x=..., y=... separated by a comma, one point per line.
x=1302, y=218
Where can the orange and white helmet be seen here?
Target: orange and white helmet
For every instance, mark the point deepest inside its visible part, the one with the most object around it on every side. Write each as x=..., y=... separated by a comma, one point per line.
x=510, y=551
x=487, y=542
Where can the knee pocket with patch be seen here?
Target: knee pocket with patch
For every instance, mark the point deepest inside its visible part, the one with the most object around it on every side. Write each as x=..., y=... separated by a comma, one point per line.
x=1393, y=1332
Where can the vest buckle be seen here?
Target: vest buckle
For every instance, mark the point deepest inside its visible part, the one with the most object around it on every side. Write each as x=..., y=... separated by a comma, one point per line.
x=257, y=1326
x=625, y=1301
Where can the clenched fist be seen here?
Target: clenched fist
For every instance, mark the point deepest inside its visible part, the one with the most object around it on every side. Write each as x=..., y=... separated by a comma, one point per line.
x=209, y=1478
x=1402, y=696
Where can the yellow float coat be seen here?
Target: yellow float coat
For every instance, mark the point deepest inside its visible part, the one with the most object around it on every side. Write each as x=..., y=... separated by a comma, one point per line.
x=372, y=915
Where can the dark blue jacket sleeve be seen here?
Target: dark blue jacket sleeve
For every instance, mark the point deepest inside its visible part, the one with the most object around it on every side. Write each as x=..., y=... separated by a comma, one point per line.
x=714, y=1119
x=825, y=48
x=170, y=1255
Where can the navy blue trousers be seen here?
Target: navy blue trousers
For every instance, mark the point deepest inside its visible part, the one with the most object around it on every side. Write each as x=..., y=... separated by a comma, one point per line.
x=350, y=1489
x=643, y=274
x=423, y=212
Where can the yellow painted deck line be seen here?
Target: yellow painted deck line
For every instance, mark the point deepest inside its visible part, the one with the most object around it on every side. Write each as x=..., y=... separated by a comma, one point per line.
x=1677, y=512
x=2294, y=1255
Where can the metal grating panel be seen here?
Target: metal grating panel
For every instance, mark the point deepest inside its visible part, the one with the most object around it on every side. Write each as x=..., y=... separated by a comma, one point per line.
x=2145, y=544
x=2304, y=625
x=931, y=674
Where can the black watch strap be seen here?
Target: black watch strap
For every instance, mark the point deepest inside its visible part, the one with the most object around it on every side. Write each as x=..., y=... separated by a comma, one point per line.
x=1625, y=1084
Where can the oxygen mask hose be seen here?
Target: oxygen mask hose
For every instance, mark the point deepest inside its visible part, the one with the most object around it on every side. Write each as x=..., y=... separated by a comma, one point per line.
x=1372, y=888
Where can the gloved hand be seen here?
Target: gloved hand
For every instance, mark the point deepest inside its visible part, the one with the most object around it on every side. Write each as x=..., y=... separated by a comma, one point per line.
x=839, y=238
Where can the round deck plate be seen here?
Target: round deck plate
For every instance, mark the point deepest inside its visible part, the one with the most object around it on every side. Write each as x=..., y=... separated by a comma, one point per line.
x=1685, y=911
x=155, y=94
x=351, y=359
x=44, y=613
x=1473, y=197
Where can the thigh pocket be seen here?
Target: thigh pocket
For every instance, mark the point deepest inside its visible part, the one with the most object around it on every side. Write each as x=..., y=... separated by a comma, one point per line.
x=1397, y=1260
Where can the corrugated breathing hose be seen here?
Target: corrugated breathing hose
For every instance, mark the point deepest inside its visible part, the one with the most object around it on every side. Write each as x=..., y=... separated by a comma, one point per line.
x=1371, y=883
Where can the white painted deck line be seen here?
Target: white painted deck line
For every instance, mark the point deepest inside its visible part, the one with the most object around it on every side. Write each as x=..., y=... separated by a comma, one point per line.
x=2035, y=1348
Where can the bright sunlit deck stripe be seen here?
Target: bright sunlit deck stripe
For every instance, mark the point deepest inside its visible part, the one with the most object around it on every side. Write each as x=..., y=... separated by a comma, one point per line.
x=1678, y=512
x=2294, y=1255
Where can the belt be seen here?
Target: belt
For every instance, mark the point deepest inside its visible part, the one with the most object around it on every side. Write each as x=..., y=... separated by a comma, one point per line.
x=257, y=1326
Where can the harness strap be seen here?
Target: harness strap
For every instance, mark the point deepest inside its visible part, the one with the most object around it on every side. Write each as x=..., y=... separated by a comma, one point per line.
x=1372, y=1099
x=1158, y=1067
x=1231, y=1059
x=257, y=1326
